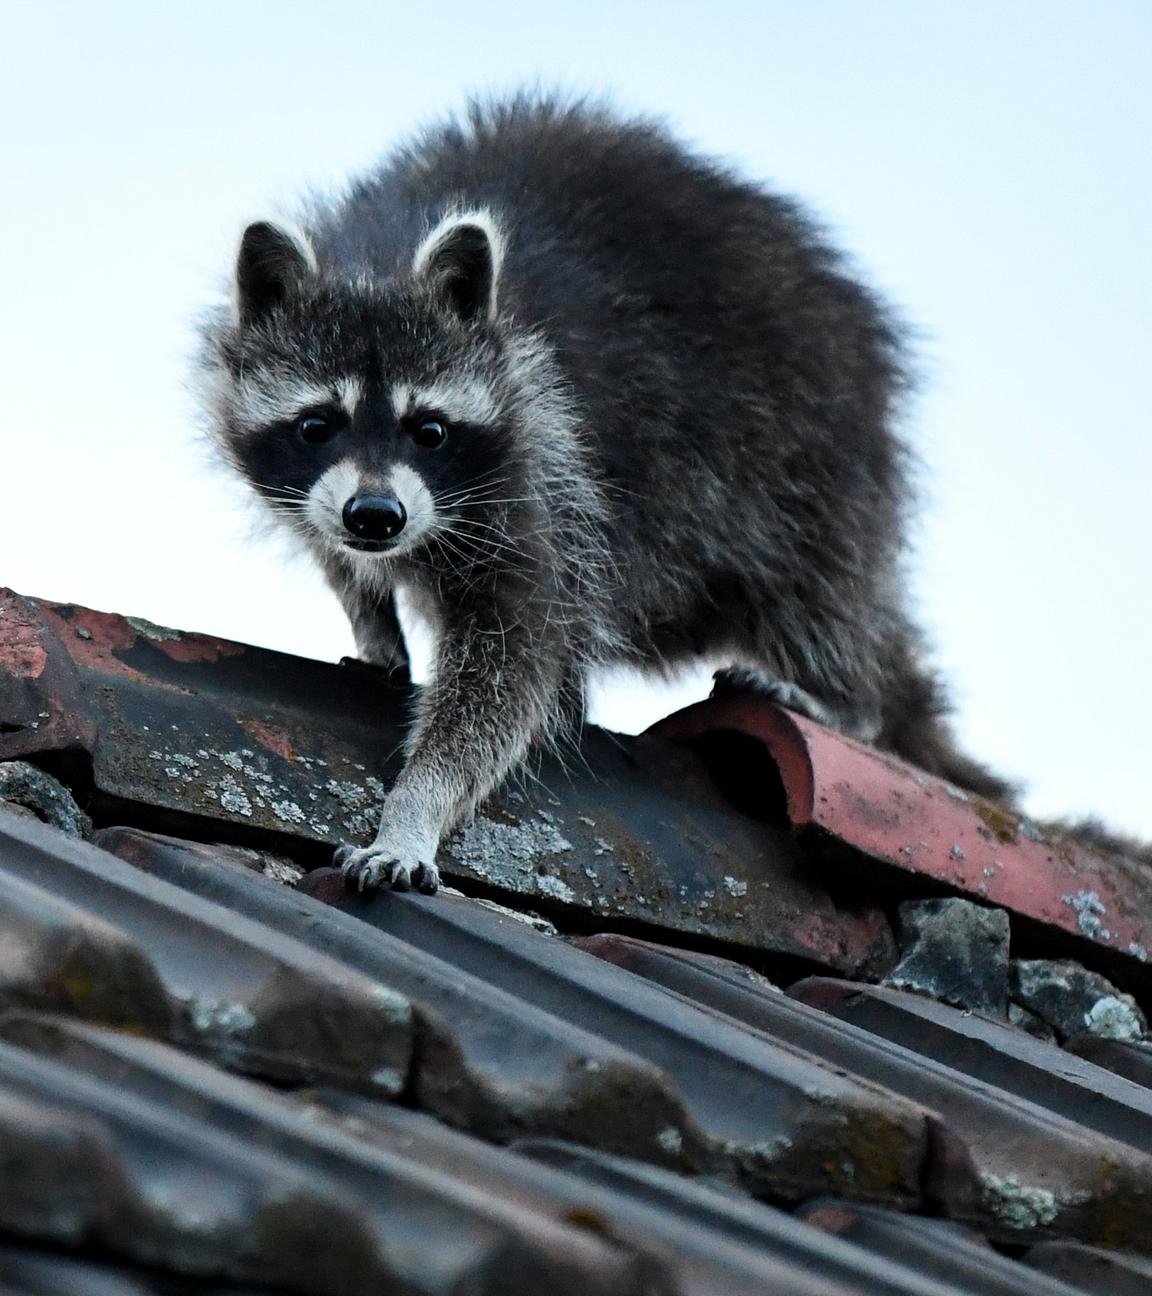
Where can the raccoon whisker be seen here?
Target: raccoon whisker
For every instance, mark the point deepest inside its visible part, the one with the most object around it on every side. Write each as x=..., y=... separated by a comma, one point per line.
x=483, y=555
x=472, y=491
x=482, y=497
x=481, y=545
x=472, y=503
x=472, y=486
x=495, y=543
x=281, y=490
x=475, y=524
x=448, y=547
x=485, y=475
x=486, y=489
x=448, y=551
x=500, y=541
x=566, y=745
x=507, y=499
x=493, y=516
x=615, y=488
x=488, y=477
x=289, y=512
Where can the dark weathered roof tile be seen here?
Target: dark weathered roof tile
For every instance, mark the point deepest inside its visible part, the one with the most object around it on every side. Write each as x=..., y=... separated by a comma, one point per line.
x=996, y=1054
x=711, y=1241
x=215, y=1174
x=786, y=1124
x=1089, y=1269
x=779, y=1118
x=936, y=1249
x=87, y=1160
x=28, y=1270
x=1038, y=1172
x=146, y=952
x=738, y=1226
x=487, y=1058
x=1132, y=1061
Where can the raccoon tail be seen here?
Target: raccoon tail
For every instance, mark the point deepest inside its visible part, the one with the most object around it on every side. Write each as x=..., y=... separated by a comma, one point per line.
x=914, y=726
x=1098, y=838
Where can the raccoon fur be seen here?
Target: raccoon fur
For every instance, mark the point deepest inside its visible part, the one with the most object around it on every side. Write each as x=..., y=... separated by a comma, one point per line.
x=586, y=398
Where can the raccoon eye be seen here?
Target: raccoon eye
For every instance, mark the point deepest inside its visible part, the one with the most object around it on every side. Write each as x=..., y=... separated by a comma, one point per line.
x=430, y=433
x=315, y=429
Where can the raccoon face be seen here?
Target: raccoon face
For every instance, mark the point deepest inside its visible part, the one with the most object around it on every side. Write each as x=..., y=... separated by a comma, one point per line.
x=368, y=416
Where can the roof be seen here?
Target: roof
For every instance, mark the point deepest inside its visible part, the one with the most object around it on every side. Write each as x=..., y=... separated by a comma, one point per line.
x=649, y=1041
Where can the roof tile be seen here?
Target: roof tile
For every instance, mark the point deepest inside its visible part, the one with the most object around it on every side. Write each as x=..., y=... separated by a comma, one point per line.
x=1038, y=1172
x=1088, y=1269
x=486, y=1058
x=769, y=1112
x=850, y=795
x=787, y=1125
x=607, y=1062
x=219, y=1175
x=243, y=994
x=87, y=1160
x=1132, y=1061
x=994, y=1053
x=934, y=1248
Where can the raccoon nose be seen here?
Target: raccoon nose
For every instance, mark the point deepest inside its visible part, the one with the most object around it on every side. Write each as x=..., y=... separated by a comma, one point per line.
x=375, y=517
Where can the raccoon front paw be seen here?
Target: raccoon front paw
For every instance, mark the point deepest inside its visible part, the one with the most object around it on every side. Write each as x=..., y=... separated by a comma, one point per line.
x=370, y=867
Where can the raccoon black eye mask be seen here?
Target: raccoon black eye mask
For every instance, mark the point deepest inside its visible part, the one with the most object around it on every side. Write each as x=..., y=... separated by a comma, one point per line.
x=586, y=398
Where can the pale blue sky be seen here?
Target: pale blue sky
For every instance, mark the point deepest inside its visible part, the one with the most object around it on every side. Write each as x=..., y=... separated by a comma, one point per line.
x=988, y=165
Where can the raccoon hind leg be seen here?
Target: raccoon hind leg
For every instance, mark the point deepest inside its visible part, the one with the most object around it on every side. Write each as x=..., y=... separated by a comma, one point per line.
x=854, y=721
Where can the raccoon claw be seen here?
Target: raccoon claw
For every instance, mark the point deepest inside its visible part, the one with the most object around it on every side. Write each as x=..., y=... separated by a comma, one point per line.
x=370, y=867
x=427, y=879
x=736, y=680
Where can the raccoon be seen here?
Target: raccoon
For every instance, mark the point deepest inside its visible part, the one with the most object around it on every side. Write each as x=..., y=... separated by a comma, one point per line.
x=585, y=398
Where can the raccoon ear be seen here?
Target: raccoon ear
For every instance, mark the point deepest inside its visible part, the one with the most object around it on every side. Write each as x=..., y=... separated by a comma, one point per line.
x=460, y=259
x=271, y=264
